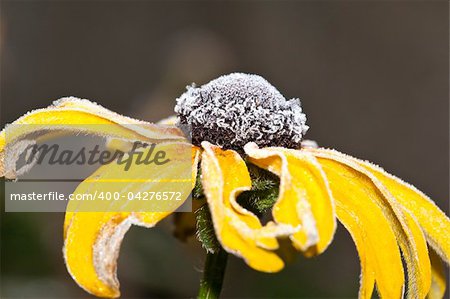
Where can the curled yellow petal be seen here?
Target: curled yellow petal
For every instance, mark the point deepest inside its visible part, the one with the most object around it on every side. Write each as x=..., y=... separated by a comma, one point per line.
x=91, y=250
x=305, y=198
x=406, y=228
x=92, y=239
x=92, y=244
x=224, y=176
x=75, y=116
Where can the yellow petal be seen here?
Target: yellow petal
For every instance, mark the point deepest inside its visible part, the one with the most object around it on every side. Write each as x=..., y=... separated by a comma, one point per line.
x=305, y=198
x=92, y=245
x=165, y=129
x=406, y=228
x=432, y=220
x=357, y=207
x=438, y=280
x=151, y=218
x=126, y=146
x=76, y=116
x=224, y=177
x=170, y=121
x=352, y=220
x=92, y=239
x=91, y=249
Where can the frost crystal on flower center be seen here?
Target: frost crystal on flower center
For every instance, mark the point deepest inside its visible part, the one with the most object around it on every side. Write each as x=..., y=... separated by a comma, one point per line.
x=235, y=109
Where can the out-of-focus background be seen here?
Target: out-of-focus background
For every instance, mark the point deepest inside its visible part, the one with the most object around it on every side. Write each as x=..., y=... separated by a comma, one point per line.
x=372, y=76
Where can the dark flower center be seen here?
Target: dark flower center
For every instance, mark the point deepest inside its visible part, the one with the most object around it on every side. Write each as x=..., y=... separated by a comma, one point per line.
x=235, y=109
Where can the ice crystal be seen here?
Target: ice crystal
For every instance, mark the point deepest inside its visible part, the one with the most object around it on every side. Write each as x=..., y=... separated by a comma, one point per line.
x=238, y=108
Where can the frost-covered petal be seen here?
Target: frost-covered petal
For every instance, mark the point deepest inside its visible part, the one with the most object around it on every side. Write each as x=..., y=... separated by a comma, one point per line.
x=76, y=116
x=434, y=223
x=406, y=227
x=224, y=177
x=305, y=198
x=168, y=121
x=358, y=209
x=92, y=239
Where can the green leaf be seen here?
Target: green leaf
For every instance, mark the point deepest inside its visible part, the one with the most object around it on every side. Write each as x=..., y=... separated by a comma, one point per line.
x=264, y=192
x=205, y=230
x=197, y=192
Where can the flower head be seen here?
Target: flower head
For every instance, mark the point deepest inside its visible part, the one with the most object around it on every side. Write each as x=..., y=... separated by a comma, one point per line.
x=235, y=109
x=241, y=120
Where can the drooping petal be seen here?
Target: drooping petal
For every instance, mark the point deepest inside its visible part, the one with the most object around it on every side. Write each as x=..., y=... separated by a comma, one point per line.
x=357, y=208
x=351, y=220
x=224, y=177
x=92, y=239
x=305, y=198
x=434, y=223
x=438, y=280
x=75, y=116
x=407, y=230
x=85, y=260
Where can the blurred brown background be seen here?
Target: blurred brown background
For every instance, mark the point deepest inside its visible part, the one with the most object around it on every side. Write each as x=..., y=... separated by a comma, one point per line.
x=372, y=76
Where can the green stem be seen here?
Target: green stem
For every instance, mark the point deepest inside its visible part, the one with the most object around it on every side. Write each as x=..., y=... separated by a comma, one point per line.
x=211, y=283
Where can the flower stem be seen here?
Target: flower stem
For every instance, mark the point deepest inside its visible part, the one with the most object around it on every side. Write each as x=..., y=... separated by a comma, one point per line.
x=211, y=283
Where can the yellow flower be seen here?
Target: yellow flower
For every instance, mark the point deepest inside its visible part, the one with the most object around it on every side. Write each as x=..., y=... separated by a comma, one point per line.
x=237, y=120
